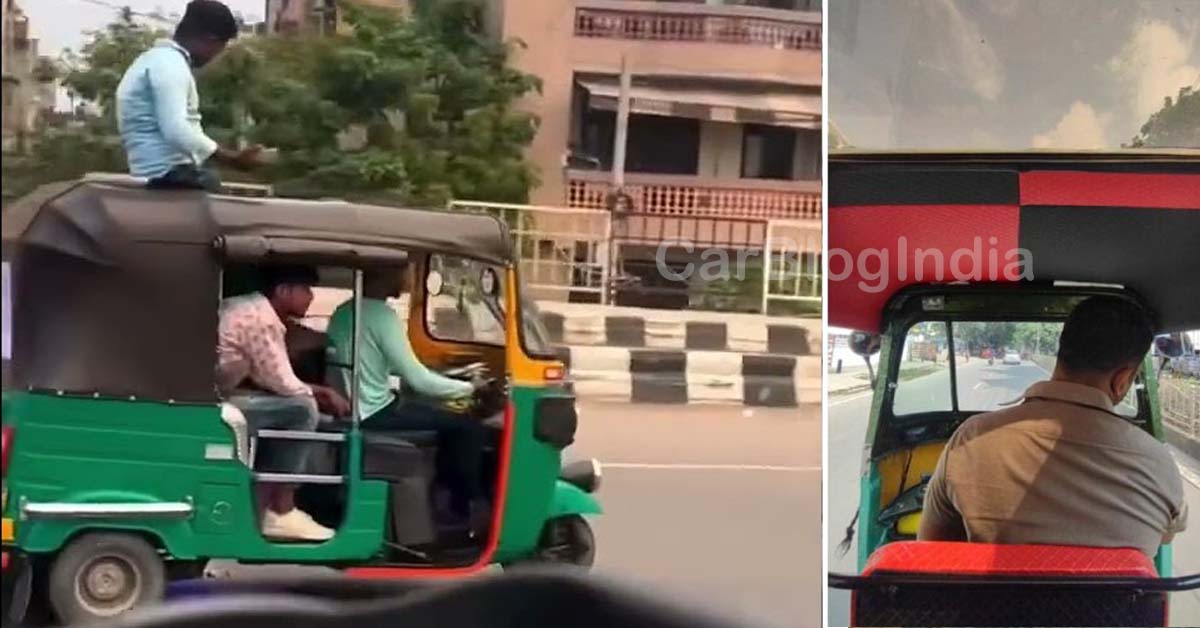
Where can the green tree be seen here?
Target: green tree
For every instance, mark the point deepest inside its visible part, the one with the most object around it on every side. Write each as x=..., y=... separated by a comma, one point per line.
x=90, y=142
x=975, y=336
x=1039, y=338
x=431, y=101
x=1176, y=125
x=413, y=111
x=94, y=72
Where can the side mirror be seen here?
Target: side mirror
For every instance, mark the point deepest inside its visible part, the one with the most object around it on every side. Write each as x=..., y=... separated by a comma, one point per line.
x=434, y=283
x=1169, y=345
x=864, y=343
x=488, y=282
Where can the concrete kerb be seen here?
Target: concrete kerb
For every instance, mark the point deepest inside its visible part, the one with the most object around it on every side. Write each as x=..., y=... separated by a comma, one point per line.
x=645, y=375
x=659, y=356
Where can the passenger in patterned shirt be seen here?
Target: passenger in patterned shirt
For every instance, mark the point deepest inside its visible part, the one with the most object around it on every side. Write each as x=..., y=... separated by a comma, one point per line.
x=255, y=375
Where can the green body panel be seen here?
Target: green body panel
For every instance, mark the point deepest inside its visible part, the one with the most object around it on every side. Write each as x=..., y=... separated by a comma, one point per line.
x=572, y=500
x=869, y=533
x=82, y=450
x=532, y=474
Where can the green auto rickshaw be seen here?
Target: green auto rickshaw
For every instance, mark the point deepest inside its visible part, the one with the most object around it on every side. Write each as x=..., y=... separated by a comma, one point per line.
x=123, y=467
x=986, y=254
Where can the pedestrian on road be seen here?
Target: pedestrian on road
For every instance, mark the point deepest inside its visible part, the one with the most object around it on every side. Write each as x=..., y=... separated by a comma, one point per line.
x=158, y=107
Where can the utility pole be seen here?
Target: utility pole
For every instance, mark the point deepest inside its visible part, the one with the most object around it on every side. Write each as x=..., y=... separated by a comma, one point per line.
x=617, y=209
x=622, y=134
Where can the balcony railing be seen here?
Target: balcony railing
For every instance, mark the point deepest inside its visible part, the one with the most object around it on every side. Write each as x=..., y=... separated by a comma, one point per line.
x=669, y=195
x=709, y=28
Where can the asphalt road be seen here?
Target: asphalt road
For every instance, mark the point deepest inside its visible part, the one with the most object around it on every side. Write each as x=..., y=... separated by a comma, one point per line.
x=980, y=386
x=712, y=506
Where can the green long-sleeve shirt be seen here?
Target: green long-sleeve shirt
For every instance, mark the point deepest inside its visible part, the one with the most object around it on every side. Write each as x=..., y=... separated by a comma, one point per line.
x=386, y=351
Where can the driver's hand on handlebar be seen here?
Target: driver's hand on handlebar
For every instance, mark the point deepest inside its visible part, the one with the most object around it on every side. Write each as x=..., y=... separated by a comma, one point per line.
x=479, y=381
x=331, y=402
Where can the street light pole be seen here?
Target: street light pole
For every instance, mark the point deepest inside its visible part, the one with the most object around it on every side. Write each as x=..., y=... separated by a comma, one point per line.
x=616, y=208
x=622, y=134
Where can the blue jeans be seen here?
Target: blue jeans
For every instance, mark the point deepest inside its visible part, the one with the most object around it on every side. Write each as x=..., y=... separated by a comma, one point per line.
x=187, y=177
x=460, y=442
x=272, y=412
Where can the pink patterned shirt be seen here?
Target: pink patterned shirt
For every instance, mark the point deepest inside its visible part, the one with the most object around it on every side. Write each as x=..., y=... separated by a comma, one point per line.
x=251, y=345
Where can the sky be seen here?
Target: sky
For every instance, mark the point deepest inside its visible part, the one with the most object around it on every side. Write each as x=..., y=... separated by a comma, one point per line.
x=63, y=23
x=1006, y=74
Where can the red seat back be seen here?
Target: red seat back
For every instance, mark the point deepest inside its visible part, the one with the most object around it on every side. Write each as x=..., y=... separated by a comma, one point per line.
x=1003, y=599
x=982, y=559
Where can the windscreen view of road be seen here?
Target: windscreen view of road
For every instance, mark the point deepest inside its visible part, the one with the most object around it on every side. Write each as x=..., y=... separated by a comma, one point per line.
x=925, y=385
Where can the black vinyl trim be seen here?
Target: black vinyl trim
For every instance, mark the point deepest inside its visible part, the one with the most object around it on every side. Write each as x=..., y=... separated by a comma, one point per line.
x=1189, y=582
x=1151, y=251
x=556, y=421
x=1139, y=163
x=924, y=186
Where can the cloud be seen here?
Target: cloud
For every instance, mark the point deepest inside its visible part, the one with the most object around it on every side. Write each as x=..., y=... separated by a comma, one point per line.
x=1152, y=65
x=1080, y=128
x=962, y=52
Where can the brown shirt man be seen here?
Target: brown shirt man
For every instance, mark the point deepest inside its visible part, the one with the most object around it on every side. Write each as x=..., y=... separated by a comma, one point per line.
x=1059, y=469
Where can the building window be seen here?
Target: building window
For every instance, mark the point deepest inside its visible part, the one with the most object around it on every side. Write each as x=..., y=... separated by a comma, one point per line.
x=655, y=144
x=808, y=155
x=768, y=152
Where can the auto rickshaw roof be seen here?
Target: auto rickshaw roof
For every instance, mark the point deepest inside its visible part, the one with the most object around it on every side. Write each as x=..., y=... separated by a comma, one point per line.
x=89, y=219
x=127, y=282
x=1127, y=218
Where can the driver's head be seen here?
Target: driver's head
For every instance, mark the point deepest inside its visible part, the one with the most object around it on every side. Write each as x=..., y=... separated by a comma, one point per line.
x=1103, y=343
x=206, y=28
x=289, y=289
x=384, y=283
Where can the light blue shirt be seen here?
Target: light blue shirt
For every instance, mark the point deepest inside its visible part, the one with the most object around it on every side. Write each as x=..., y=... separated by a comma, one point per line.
x=158, y=112
x=386, y=351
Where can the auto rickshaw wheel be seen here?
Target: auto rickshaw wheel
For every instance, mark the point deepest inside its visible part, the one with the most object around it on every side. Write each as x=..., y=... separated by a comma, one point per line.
x=102, y=575
x=567, y=540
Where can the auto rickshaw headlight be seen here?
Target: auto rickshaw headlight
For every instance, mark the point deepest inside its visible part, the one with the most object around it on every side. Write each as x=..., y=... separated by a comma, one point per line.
x=583, y=474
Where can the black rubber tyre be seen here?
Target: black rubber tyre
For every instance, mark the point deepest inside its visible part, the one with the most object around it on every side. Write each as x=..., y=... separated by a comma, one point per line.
x=567, y=540
x=101, y=575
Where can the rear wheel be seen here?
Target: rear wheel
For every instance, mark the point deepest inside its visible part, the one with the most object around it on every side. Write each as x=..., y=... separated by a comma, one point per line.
x=102, y=575
x=567, y=540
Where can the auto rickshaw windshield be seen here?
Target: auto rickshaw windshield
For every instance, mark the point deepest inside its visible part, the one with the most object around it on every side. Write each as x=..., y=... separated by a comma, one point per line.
x=993, y=363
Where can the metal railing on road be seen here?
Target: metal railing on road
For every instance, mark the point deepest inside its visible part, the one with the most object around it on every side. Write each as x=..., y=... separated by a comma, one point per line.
x=591, y=255
x=1179, y=401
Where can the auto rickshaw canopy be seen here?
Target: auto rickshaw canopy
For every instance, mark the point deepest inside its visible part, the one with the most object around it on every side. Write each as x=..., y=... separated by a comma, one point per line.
x=116, y=288
x=1129, y=218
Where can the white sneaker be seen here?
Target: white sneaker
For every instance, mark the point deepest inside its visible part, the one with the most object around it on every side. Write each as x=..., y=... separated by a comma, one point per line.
x=295, y=525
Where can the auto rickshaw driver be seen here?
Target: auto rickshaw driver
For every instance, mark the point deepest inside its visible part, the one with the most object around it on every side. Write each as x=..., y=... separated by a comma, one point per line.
x=1063, y=468
x=255, y=375
x=385, y=352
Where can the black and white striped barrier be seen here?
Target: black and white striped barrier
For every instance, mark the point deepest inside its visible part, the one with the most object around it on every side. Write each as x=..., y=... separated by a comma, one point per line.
x=785, y=337
x=680, y=377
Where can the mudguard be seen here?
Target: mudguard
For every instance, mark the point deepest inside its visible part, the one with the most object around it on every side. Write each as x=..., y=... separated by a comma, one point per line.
x=568, y=499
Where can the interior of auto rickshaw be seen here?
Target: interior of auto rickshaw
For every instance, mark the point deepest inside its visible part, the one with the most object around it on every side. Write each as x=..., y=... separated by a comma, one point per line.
x=125, y=468
x=1043, y=232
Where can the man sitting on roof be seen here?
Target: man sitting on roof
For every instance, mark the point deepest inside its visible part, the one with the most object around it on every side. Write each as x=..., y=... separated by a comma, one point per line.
x=1063, y=468
x=158, y=108
x=252, y=356
x=386, y=351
